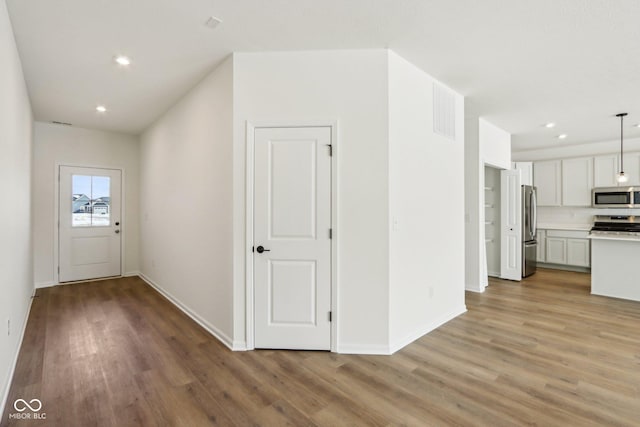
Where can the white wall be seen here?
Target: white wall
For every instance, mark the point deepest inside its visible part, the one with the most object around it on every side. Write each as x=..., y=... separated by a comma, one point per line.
x=485, y=144
x=16, y=260
x=426, y=206
x=56, y=145
x=350, y=87
x=186, y=202
x=495, y=145
x=473, y=256
x=192, y=153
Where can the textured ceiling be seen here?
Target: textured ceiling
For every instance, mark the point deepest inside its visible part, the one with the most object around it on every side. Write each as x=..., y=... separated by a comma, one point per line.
x=519, y=63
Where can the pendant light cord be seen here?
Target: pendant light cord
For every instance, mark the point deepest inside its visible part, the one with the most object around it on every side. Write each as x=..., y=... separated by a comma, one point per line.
x=621, y=142
x=621, y=115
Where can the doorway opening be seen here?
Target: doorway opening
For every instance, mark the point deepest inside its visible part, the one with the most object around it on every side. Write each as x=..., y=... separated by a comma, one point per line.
x=492, y=224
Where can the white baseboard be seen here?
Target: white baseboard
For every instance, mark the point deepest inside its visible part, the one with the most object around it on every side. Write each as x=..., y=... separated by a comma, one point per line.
x=474, y=288
x=399, y=344
x=425, y=329
x=40, y=285
x=221, y=336
x=363, y=349
x=7, y=386
x=132, y=274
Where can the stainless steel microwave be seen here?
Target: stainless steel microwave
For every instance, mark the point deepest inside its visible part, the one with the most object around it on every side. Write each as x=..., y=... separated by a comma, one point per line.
x=615, y=197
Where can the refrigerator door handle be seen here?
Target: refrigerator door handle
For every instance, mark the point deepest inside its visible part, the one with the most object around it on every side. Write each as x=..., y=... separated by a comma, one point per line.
x=534, y=209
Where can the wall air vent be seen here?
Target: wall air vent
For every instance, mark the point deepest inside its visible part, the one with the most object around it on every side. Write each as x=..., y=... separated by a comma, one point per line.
x=444, y=111
x=61, y=123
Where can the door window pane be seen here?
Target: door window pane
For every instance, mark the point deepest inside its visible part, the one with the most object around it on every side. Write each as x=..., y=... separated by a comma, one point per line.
x=91, y=201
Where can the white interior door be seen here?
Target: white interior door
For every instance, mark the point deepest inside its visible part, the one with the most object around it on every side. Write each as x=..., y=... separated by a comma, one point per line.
x=90, y=223
x=511, y=219
x=292, y=246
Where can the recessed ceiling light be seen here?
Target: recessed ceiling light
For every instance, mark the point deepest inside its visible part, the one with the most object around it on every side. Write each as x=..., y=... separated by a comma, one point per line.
x=550, y=125
x=638, y=125
x=563, y=136
x=122, y=60
x=213, y=22
x=101, y=109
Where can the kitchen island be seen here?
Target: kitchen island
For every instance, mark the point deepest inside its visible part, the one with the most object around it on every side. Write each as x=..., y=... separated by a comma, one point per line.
x=615, y=266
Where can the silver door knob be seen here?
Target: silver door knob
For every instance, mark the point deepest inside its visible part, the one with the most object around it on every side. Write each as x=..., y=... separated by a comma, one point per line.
x=117, y=231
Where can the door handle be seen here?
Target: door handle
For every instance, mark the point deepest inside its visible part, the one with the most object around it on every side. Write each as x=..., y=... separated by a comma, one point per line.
x=261, y=249
x=117, y=231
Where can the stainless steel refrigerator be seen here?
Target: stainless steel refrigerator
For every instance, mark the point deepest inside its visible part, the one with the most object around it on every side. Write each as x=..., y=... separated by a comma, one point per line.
x=529, y=226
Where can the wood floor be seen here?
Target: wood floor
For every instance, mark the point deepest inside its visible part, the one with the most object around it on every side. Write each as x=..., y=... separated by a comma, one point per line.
x=543, y=352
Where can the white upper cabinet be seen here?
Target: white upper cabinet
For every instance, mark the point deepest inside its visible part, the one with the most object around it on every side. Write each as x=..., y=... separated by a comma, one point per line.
x=547, y=177
x=577, y=181
x=526, y=172
x=632, y=168
x=605, y=169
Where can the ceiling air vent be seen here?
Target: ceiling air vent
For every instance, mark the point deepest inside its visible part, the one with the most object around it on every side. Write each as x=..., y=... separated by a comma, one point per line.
x=61, y=123
x=444, y=111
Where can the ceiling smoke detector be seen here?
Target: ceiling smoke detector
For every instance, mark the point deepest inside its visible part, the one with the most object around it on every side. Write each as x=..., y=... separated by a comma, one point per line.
x=213, y=22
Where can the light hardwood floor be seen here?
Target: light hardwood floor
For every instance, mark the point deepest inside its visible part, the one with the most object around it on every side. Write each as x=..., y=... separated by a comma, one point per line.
x=543, y=352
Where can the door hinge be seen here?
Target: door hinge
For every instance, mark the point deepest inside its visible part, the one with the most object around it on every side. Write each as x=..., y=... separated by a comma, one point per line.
x=331, y=233
x=330, y=149
x=330, y=317
x=58, y=269
x=253, y=248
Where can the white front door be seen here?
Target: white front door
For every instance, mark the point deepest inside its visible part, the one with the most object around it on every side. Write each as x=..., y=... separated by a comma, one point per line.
x=511, y=219
x=292, y=246
x=90, y=223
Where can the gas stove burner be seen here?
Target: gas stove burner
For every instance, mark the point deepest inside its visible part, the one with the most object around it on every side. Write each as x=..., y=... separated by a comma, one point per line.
x=616, y=224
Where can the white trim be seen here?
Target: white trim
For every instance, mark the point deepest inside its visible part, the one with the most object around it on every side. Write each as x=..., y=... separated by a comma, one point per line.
x=41, y=285
x=248, y=265
x=251, y=126
x=401, y=343
x=217, y=333
x=382, y=350
x=477, y=290
x=425, y=329
x=12, y=371
x=56, y=214
x=132, y=274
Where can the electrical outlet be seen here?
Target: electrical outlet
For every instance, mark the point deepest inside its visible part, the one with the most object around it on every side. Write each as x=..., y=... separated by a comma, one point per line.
x=430, y=291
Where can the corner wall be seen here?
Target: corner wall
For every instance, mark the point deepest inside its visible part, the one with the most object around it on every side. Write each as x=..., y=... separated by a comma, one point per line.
x=186, y=201
x=16, y=258
x=426, y=206
x=56, y=145
x=348, y=86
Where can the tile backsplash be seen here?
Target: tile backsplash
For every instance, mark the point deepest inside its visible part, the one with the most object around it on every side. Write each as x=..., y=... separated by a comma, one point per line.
x=576, y=215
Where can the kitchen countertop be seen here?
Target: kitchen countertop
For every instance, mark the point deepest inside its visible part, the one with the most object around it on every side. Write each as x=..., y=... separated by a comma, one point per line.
x=551, y=226
x=615, y=237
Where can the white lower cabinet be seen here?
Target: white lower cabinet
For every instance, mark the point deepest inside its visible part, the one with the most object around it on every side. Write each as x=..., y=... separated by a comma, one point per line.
x=578, y=252
x=541, y=237
x=556, y=250
x=565, y=247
